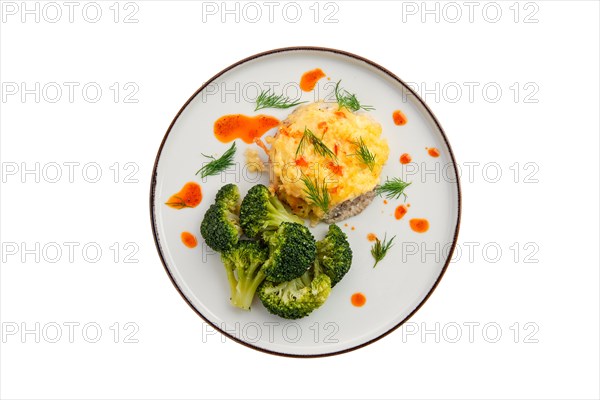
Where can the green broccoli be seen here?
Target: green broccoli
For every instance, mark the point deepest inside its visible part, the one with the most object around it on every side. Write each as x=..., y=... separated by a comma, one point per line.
x=244, y=266
x=261, y=211
x=292, y=251
x=296, y=298
x=334, y=254
x=229, y=195
x=220, y=227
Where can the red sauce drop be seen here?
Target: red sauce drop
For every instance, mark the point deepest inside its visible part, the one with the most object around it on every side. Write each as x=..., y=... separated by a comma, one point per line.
x=433, y=152
x=333, y=190
x=335, y=168
x=401, y=211
x=310, y=78
x=239, y=126
x=419, y=225
x=188, y=197
x=339, y=114
x=301, y=162
x=405, y=158
x=358, y=299
x=323, y=126
x=385, y=202
x=399, y=118
x=371, y=237
x=189, y=240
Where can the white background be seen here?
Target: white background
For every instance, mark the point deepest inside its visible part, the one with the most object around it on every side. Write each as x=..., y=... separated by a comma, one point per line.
x=547, y=311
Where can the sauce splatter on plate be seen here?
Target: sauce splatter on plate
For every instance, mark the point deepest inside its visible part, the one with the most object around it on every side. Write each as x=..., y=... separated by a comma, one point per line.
x=358, y=299
x=433, y=152
x=401, y=211
x=189, y=240
x=399, y=118
x=188, y=197
x=239, y=126
x=419, y=225
x=310, y=78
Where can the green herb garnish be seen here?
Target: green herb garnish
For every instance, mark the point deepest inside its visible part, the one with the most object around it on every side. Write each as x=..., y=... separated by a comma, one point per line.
x=379, y=249
x=179, y=204
x=318, y=195
x=271, y=100
x=363, y=152
x=217, y=164
x=348, y=100
x=319, y=147
x=393, y=189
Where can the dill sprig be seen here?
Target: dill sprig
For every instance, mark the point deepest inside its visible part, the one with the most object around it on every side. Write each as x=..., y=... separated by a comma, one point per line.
x=393, y=188
x=380, y=249
x=179, y=204
x=317, y=194
x=217, y=164
x=348, y=100
x=364, y=154
x=319, y=147
x=266, y=99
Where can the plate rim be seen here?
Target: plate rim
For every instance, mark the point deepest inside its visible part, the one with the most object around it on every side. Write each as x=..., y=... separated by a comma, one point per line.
x=153, y=183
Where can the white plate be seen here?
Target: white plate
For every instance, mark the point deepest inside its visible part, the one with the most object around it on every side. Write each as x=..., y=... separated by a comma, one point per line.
x=401, y=282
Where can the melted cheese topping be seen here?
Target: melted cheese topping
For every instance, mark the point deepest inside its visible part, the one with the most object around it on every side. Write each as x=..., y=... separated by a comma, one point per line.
x=253, y=161
x=346, y=177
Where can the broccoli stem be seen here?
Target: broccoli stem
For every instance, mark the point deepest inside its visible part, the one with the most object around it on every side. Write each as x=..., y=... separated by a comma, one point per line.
x=279, y=214
x=231, y=279
x=243, y=294
x=244, y=287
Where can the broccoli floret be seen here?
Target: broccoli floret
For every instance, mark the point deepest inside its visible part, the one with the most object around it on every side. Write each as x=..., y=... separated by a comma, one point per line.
x=261, y=211
x=220, y=227
x=292, y=251
x=334, y=254
x=298, y=297
x=229, y=195
x=244, y=266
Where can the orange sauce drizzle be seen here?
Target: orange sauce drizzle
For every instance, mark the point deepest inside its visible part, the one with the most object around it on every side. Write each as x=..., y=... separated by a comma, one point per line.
x=419, y=225
x=189, y=240
x=301, y=162
x=358, y=299
x=433, y=152
x=335, y=168
x=310, y=78
x=188, y=197
x=239, y=126
x=401, y=211
x=399, y=118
